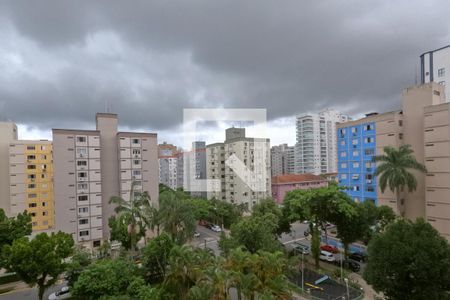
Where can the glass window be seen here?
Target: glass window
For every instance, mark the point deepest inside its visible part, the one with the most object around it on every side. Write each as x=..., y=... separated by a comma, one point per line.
x=83, y=209
x=84, y=233
x=441, y=72
x=356, y=153
x=31, y=148
x=355, y=142
x=136, y=141
x=343, y=165
x=81, y=139
x=83, y=221
x=356, y=165
x=30, y=157
x=82, y=197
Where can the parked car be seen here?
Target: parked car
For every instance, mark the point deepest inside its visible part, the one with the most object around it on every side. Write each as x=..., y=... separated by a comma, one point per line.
x=349, y=264
x=358, y=257
x=196, y=234
x=306, y=232
x=63, y=293
x=216, y=228
x=329, y=248
x=327, y=256
x=300, y=248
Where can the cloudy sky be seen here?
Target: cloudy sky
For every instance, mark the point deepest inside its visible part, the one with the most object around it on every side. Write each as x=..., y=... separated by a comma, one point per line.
x=62, y=61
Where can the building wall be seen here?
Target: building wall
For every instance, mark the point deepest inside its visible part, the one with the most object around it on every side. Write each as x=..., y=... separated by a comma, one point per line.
x=282, y=160
x=31, y=182
x=8, y=134
x=279, y=190
x=435, y=66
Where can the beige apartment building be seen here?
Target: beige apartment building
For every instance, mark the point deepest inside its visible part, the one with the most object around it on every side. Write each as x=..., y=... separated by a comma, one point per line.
x=423, y=123
x=8, y=134
x=253, y=153
x=91, y=166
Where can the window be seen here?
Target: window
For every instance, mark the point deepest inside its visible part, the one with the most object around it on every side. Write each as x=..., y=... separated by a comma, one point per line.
x=370, y=189
x=43, y=147
x=354, y=130
x=31, y=176
x=31, y=185
x=442, y=83
x=368, y=127
x=31, y=167
x=136, y=151
x=355, y=176
x=368, y=165
x=342, y=132
x=136, y=161
x=81, y=152
x=81, y=139
x=400, y=122
x=83, y=221
x=84, y=232
x=96, y=244
x=356, y=165
x=32, y=204
x=43, y=176
x=369, y=151
x=34, y=224
x=355, y=142
x=30, y=157
x=441, y=72
x=343, y=143
x=343, y=165
x=136, y=172
x=356, y=188
x=44, y=204
x=32, y=195
x=82, y=186
x=400, y=136
x=136, y=141
x=356, y=153
x=82, y=163
x=33, y=214
x=82, y=197
x=82, y=210
x=368, y=140
x=31, y=148
x=82, y=175
x=343, y=154
x=45, y=222
x=343, y=176
x=45, y=213
x=44, y=167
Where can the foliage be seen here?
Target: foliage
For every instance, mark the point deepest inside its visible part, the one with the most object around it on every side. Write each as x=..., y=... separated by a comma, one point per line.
x=394, y=171
x=155, y=257
x=409, y=261
x=39, y=261
x=201, y=208
x=13, y=228
x=225, y=213
x=119, y=231
x=79, y=261
x=318, y=206
x=105, y=278
x=131, y=213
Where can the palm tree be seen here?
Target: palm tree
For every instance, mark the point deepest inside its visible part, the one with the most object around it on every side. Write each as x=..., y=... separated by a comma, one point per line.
x=394, y=171
x=133, y=212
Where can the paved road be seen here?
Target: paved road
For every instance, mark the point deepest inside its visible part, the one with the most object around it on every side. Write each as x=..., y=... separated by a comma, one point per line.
x=29, y=293
x=207, y=238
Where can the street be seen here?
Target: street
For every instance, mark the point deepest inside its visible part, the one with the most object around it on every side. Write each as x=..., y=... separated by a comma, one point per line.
x=29, y=293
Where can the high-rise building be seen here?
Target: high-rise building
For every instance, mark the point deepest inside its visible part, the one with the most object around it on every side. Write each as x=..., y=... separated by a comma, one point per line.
x=192, y=167
x=91, y=166
x=31, y=182
x=168, y=155
x=282, y=160
x=8, y=134
x=315, y=149
x=435, y=66
x=254, y=153
x=423, y=123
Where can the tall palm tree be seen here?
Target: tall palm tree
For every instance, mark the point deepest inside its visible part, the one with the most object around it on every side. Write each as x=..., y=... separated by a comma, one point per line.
x=394, y=170
x=132, y=211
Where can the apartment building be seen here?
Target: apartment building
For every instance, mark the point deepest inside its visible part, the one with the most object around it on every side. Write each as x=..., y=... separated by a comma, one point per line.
x=282, y=184
x=422, y=123
x=192, y=169
x=8, y=134
x=254, y=153
x=282, y=159
x=168, y=156
x=315, y=148
x=435, y=66
x=91, y=166
x=31, y=182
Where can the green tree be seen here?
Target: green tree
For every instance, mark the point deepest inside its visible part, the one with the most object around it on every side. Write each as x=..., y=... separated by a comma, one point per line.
x=394, y=171
x=318, y=206
x=119, y=231
x=201, y=208
x=177, y=218
x=13, y=228
x=39, y=261
x=105, y=278
x=155, y=257
x=131, y=212
x=225, y=214
x=409, y=261
x=78, y=262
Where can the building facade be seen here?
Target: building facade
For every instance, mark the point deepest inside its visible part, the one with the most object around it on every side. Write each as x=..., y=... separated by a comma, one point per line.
x=423, y=124
x=435, y=66
x=8, y=134
x=192, y=167
x=284, y=183
x=254, y=155
x=282, y=159
x=168, y=156
x=91, y=166
x=315, y=148
x=31, y=182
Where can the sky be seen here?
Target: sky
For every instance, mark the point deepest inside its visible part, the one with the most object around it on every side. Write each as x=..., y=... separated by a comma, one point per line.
x=63, y=61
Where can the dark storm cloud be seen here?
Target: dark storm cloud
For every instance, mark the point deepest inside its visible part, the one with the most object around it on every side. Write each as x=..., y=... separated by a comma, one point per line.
x=151, y=59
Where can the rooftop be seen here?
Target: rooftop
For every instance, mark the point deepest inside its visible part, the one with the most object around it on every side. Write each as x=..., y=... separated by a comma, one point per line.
x=295, y=178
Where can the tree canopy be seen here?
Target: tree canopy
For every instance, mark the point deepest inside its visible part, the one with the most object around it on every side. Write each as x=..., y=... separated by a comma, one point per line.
x=409, y=261
x=14, y=228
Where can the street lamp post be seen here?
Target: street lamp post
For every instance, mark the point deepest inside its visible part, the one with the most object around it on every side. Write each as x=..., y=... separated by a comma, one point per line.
x=346, y=284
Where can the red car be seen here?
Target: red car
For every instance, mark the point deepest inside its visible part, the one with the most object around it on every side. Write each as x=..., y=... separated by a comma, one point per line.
x=329, y=248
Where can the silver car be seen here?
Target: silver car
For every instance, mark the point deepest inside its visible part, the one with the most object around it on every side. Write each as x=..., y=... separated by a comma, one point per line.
x=63, y=293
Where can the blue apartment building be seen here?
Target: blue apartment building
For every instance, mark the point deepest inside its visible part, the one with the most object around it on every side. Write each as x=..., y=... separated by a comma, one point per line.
x=356, y=148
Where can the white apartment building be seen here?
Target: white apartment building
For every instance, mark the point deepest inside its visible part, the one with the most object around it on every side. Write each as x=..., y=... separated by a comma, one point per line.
x=8, y=134
x=168, y=167
x=316, y=148
x=282, y=159
x=435, y=66
x=253, y=153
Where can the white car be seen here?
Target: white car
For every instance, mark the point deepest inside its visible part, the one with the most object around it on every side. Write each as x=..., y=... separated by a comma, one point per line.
x=63, y=293
x=216, y=228
x=196, y=234
x=327, y=256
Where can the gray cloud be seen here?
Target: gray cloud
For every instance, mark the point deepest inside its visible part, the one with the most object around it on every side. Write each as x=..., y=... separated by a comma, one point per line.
x=150, y=59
